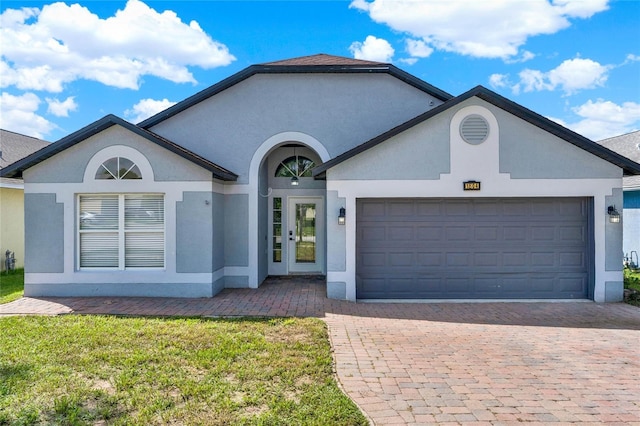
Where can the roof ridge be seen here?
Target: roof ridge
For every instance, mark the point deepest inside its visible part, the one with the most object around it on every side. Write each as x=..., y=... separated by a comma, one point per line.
x=322, y=59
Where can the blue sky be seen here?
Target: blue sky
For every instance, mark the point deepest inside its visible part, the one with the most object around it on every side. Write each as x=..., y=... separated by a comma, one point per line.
x=67, y=64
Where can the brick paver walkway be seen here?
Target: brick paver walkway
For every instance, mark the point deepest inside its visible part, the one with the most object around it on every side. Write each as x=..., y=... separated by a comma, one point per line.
x=457, y=363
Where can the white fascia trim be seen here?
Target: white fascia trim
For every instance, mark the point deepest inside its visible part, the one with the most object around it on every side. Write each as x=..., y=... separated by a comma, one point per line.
x=12, y=185
x=137, y=186
x=112, y=186
x=232, y=189
x=452, y=188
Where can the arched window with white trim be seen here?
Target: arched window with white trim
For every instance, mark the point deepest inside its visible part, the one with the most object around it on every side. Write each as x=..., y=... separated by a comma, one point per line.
x=118, y=168
x=118, y=229
x=295, y=166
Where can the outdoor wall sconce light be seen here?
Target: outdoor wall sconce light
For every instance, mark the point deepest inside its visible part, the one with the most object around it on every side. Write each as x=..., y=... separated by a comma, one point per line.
x=342, y=217
x=295, y=181
x=614, y=216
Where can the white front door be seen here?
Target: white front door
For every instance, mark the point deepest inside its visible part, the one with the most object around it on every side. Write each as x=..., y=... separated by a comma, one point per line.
x=305, y=234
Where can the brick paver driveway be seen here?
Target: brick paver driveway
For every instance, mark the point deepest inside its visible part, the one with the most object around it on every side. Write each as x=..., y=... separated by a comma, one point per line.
x=458, y=363
x=494, y=363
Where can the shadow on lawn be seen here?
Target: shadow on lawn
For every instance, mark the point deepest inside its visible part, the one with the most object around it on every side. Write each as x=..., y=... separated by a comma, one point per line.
x=306, y=297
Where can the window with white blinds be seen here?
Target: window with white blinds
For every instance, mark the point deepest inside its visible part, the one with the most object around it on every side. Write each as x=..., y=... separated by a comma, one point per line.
x=121, y=231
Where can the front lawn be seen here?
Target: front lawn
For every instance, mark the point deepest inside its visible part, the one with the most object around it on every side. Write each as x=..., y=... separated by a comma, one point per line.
x=11, y=285
x=104, y=370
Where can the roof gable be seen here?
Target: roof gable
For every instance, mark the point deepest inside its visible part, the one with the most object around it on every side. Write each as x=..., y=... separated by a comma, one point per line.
x=16, y=169
x=629, y=167
x=304, y=65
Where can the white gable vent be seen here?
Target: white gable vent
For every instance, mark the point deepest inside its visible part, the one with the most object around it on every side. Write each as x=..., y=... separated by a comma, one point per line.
x=474, y=129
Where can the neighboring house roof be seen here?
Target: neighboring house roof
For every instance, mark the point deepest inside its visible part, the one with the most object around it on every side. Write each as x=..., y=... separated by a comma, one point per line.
x=14, y=147
x=629, y=167
x=16, y=169
x=629, y=146
x=306, y=64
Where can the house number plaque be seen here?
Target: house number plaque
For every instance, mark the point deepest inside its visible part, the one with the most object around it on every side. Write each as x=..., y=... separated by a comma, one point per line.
x=471, y=185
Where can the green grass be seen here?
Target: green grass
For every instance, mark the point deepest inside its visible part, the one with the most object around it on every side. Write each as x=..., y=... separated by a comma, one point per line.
x=632, y=281
x=85, y=370
x=11, y=285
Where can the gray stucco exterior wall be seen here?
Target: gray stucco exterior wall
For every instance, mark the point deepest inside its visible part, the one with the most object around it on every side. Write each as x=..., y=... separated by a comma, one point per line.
x=118, y=289
x=330, y=107
x=194, y=233
x=69, y=166
x=613, y=235
x=44, y=234
x=528, y=152
x=421, y=152
x=236, y=230
x=613, y=291
x=217, y=234
x=337, y=244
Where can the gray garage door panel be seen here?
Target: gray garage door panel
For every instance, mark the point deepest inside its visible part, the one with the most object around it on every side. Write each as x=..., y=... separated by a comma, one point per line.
x=472, y=248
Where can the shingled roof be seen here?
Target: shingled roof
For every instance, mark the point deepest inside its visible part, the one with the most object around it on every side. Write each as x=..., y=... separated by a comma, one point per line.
x=629, y=146
x=16, y=146
x=322, y=59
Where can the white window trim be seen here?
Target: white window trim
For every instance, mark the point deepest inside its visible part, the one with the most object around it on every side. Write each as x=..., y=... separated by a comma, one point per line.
x=118, y=151
x=121, y=231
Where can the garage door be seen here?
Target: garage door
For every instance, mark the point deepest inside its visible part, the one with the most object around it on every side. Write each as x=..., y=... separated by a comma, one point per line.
x=524, y=248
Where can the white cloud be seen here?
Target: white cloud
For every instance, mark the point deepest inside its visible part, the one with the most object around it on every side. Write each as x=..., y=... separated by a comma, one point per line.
x=491, y=29
x=499, y=80
x=61, y=108
x=146, y=108
x=524, y=57
x=19, y=114
x=631, y=58
x=372, y=49
x=604, y=119
x=577, y=74
x=570, y=76
x=45, y=49
x=418, y=48
x=534, y=80
x=408, y=61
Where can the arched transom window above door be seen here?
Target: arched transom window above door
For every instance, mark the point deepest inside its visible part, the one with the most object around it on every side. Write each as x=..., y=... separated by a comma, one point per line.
x=118, y=168
x=295, y=166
